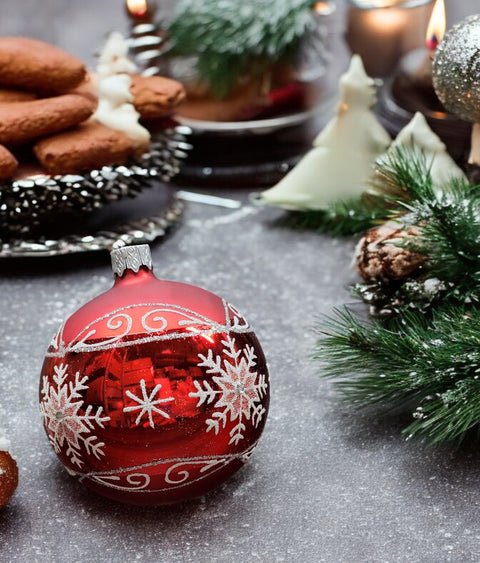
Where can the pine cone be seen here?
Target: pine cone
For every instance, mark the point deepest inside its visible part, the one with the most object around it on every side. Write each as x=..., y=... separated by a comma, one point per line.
x=378, y=258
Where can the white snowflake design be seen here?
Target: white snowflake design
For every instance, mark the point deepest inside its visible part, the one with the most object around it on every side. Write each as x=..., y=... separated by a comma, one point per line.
x=65, y=423
x=241, y=389
x=147, y=404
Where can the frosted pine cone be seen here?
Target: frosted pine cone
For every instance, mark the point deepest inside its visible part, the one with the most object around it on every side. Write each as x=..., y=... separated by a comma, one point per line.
x=378, y=258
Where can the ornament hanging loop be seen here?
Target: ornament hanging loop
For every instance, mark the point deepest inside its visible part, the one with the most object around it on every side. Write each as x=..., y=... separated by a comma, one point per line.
x=130, y=258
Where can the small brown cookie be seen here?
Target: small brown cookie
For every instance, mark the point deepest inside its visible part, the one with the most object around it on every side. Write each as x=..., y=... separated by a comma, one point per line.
x=8, y=477
x=8, y=163
x=21, y=122
x=155, y=96
x=38, y=66
x=87, y=147
x=10, y=95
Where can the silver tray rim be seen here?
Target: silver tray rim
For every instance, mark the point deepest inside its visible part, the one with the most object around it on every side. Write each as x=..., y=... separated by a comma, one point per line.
x=136, y=231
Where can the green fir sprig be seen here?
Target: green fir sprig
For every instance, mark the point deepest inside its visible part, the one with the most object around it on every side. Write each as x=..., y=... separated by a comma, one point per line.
x=448, y=222
x=424, y=355
x=450, y=234
x=344, y=218
x=447, y=219
x=430, y=367
x=231, y=38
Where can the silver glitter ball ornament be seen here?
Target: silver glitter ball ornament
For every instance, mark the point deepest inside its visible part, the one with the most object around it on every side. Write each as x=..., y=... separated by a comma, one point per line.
x=456, y=70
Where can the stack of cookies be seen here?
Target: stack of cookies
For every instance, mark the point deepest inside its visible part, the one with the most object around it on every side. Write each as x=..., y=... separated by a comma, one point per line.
x=48, y=109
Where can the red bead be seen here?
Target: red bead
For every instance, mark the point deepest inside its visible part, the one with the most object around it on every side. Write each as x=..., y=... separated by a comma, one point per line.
x=8, y=477
x=154, y=392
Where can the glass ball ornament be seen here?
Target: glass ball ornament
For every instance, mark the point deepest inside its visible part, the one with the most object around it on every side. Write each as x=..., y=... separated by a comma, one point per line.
x=154, y=392
x=456, y=69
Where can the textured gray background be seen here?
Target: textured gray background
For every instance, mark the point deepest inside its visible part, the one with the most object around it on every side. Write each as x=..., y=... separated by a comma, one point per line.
x=326, y=483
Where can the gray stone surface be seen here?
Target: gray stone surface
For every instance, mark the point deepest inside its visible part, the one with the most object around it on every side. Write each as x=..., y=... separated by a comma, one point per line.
x=325, y=484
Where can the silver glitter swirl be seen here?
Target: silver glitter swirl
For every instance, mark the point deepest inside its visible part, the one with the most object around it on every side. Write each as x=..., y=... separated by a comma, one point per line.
x=456, y=70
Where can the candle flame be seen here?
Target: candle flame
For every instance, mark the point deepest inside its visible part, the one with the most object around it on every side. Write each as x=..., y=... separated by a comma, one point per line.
x=371, y=4
x=137, y=7
x=324, y=8
x=436, y=25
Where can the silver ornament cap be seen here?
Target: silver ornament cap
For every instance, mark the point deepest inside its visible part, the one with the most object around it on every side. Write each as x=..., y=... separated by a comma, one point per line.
x=130, y=258
x=456, y=69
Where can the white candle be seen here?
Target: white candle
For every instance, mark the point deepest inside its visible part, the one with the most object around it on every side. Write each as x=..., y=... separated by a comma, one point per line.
x=381, y=35
x=416, y=65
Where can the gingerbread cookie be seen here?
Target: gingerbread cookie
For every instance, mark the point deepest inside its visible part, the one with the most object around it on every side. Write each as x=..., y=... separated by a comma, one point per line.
x=87, y=147
x=11, y=95
x=155, y=96
x=22, y=122
x=33, y=65
x=8, y=163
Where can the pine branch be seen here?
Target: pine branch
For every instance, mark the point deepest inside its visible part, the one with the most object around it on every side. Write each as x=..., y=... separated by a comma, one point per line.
x=402, y=177
x=450, y=234
x=238, y=37
x=448, y=222
x=344, y=218
x=428, y=364
x=430, y=367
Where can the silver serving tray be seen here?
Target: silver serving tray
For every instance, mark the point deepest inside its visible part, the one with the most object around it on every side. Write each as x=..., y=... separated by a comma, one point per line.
x=121, y=223
x=31, y=205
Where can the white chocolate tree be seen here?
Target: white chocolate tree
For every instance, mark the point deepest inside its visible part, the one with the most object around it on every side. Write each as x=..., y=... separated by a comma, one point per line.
x=418, y=135
x=341, y=162
x=115, y=108
x=114, y=59
x=115, y=101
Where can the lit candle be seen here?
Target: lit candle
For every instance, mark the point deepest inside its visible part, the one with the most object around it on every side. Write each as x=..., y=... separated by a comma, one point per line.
x=381, y=31
x=417, y=64
x=146, y=39
x=140, y=11
x=324, y=8
x=436, y=26
x=410, y=89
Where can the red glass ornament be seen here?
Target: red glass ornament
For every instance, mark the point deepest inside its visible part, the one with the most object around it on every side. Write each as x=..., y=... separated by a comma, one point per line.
x=154, y=392
x=8, y=477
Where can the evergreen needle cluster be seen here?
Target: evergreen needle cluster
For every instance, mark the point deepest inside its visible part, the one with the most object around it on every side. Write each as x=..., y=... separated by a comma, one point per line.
x=429, y=366
x=344, y=218
x=231, y=38
x=425, y=359
x=447, y=219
